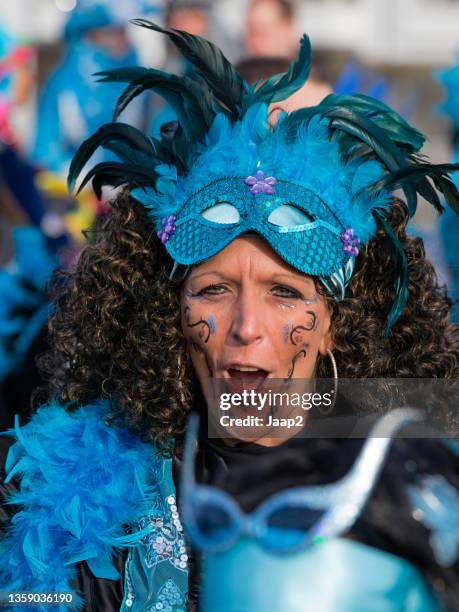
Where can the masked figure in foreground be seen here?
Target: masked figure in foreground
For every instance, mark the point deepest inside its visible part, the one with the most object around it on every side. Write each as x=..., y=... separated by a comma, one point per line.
x=234, y=249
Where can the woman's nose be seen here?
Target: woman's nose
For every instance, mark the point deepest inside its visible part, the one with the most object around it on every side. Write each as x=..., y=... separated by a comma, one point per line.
x=247, y=319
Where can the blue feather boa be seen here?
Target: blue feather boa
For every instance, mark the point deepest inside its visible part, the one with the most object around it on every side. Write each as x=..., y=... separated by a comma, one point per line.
x=82, y=484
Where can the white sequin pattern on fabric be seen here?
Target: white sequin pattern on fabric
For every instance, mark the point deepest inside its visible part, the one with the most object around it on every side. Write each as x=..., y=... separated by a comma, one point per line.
x=166, y=539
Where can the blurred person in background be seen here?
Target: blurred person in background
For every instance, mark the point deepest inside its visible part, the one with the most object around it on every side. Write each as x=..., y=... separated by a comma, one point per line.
x=21, y=202
x=16, y=78
x=449, y=224
x=191, y=16
x=199, y=18
x=17, y=187
x=26, y=263
x=26, y=259
x=271, y=29
x=271, y=41
x=73, y=104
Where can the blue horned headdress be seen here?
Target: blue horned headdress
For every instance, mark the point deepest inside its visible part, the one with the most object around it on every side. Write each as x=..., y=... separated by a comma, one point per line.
x=316, y=185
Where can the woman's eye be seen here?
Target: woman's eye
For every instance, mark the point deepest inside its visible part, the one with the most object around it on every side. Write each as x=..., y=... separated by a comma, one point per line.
x=211, y=290
x=286, y=292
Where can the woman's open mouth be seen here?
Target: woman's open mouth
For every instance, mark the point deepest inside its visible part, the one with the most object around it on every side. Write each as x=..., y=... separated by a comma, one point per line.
x=242, y=377
x=248, y=373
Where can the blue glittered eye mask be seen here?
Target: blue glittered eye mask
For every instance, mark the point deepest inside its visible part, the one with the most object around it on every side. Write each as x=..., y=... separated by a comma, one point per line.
x=290, y=520
x=294, y=221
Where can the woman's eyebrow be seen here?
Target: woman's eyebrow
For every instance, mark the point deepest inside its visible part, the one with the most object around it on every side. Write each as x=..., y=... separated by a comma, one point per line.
x=276, y=277
x=293, y=277
x=207, y=273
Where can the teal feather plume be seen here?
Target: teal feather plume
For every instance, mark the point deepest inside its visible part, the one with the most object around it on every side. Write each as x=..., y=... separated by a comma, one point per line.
x=173, y=148
x=120, y=138
x=116, y=174
x=438, y=173
x=399, y=130
x=223, y=81
x=401, y=273
x=347, y=121
x=282, y=86
x=190, y=101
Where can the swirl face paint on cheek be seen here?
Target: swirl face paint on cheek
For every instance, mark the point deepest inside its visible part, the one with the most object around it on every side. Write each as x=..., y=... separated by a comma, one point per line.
x=313, y=324
x=300, y=353
x=198, y=349
x=205, y=331
x=201, y=331
x=295, y=334
x=209, y=321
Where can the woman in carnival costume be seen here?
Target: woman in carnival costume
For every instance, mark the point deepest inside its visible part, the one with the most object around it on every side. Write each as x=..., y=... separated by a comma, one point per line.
x=236, y=248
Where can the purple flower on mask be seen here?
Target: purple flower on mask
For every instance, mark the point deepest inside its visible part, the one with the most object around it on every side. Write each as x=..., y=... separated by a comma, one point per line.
x=350, y=242
x=167, y=229
x=260, y=183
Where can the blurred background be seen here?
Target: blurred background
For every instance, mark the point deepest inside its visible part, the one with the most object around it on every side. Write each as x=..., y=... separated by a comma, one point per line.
x=404, y=52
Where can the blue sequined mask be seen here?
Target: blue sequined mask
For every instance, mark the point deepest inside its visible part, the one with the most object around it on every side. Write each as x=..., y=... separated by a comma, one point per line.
x=296, y=222
x=297, y=195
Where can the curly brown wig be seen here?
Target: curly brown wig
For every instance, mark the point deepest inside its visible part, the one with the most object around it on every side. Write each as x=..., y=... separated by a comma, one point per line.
x=116, y=329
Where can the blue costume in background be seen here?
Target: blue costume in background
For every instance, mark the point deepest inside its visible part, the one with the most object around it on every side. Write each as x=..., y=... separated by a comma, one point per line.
x=7, y=44
x=20, y=179
x=354, y=79
x=449, y=224
x=14, y=171
x=73, y=105
x=24, y=306
x=24, y=309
